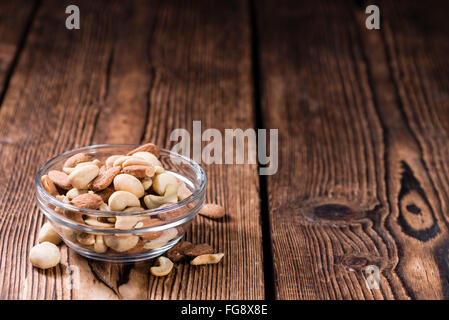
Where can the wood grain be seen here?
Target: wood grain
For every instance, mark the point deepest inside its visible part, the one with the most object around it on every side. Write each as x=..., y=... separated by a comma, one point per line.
x=361, y=180
x=133, y=72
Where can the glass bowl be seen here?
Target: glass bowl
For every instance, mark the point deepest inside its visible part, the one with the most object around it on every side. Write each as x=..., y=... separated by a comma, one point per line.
x=141, y=243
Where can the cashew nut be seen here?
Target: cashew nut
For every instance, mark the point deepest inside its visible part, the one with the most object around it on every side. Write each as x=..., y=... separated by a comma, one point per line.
x=134, y=161
x=170, y=196
x=183, y=191
x=146, y=183
x=119, y=161
x=121, y=244
x=164, y=267
x=127, y=182
x=161, y=181
x=93, y=221
x=151, y=158
x=110, y=161
x=207, y=259
x=48, y=234
x=99, y=245
x=128, y=222
x=49, y=186
x=166, y=236
x=82, y=176
x=86, y=239
x=45, y=255
x=74, y=192
x=119, y=200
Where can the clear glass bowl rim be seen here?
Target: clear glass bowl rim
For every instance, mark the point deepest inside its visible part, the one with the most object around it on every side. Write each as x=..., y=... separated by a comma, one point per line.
x=196, y=193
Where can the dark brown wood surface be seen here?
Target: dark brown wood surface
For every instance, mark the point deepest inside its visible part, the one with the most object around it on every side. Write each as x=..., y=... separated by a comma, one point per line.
x=363, y=119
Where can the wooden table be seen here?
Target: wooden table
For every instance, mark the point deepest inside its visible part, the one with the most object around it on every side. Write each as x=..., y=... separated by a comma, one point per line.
x=363, y=119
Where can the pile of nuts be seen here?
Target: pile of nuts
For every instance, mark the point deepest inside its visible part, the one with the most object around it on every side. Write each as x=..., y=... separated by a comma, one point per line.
x=128, y=183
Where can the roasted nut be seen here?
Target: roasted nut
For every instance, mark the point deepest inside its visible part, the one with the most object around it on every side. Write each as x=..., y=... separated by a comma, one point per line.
x=139, y=171
x=213, y=211
x=176, y=254
x=170, y=196
x=45, y=255
x=134, y=161
x=74, y=192
x=99, y=245
x=127, y=182
x=75, y=159
x=48, y=185
x=104, y=178
x=48, y=234
x=207, y=259
x=82, y=176
x=60, y=179
x=137, y=249
x=149, y=147
x=106, y=193
x=88, y=201
x=145, y=223
x=120, y=200
x=110, y=161
x=164, y=267
x=122, y=243
x=86, y=239
x=166, y=236
x=183, y=191
x=198, y=250
x=104, y=207
x=146, y=183
x=93, y=221
x=119, y=161
x=151, y=158
x=159, y=169
x=161, y=181
x=128, y=222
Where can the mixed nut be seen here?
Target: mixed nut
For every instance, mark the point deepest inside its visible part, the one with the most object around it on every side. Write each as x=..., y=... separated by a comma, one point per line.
x=127, y=183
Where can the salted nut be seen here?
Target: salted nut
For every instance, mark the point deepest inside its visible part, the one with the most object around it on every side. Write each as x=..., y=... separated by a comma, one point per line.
x=127, y=182
x=99, y=245
x=170, y=196
x=161, y=241
x=45, y=255
x=120, y=200
x=207, y=259
x=161, y=181
x=48, y=234
x=121, y=187
x=82, y=176
x=121, y=244
x=164, y=267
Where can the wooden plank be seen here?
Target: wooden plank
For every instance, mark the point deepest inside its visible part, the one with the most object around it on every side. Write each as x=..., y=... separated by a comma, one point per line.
x=145, y=77
x=360, y=180
x=15, y=17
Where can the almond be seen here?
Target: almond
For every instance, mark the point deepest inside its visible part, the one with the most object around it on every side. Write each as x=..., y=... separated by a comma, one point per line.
x=49, y=186
x=149, y=147
x=60, y=179
x=213, y=211
x=139, y=171
x=88, y=201
x=198, y=249
x=176, y=254
x=106, y=193
x=75, y=159
x=105, y=178
x=149, y=223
